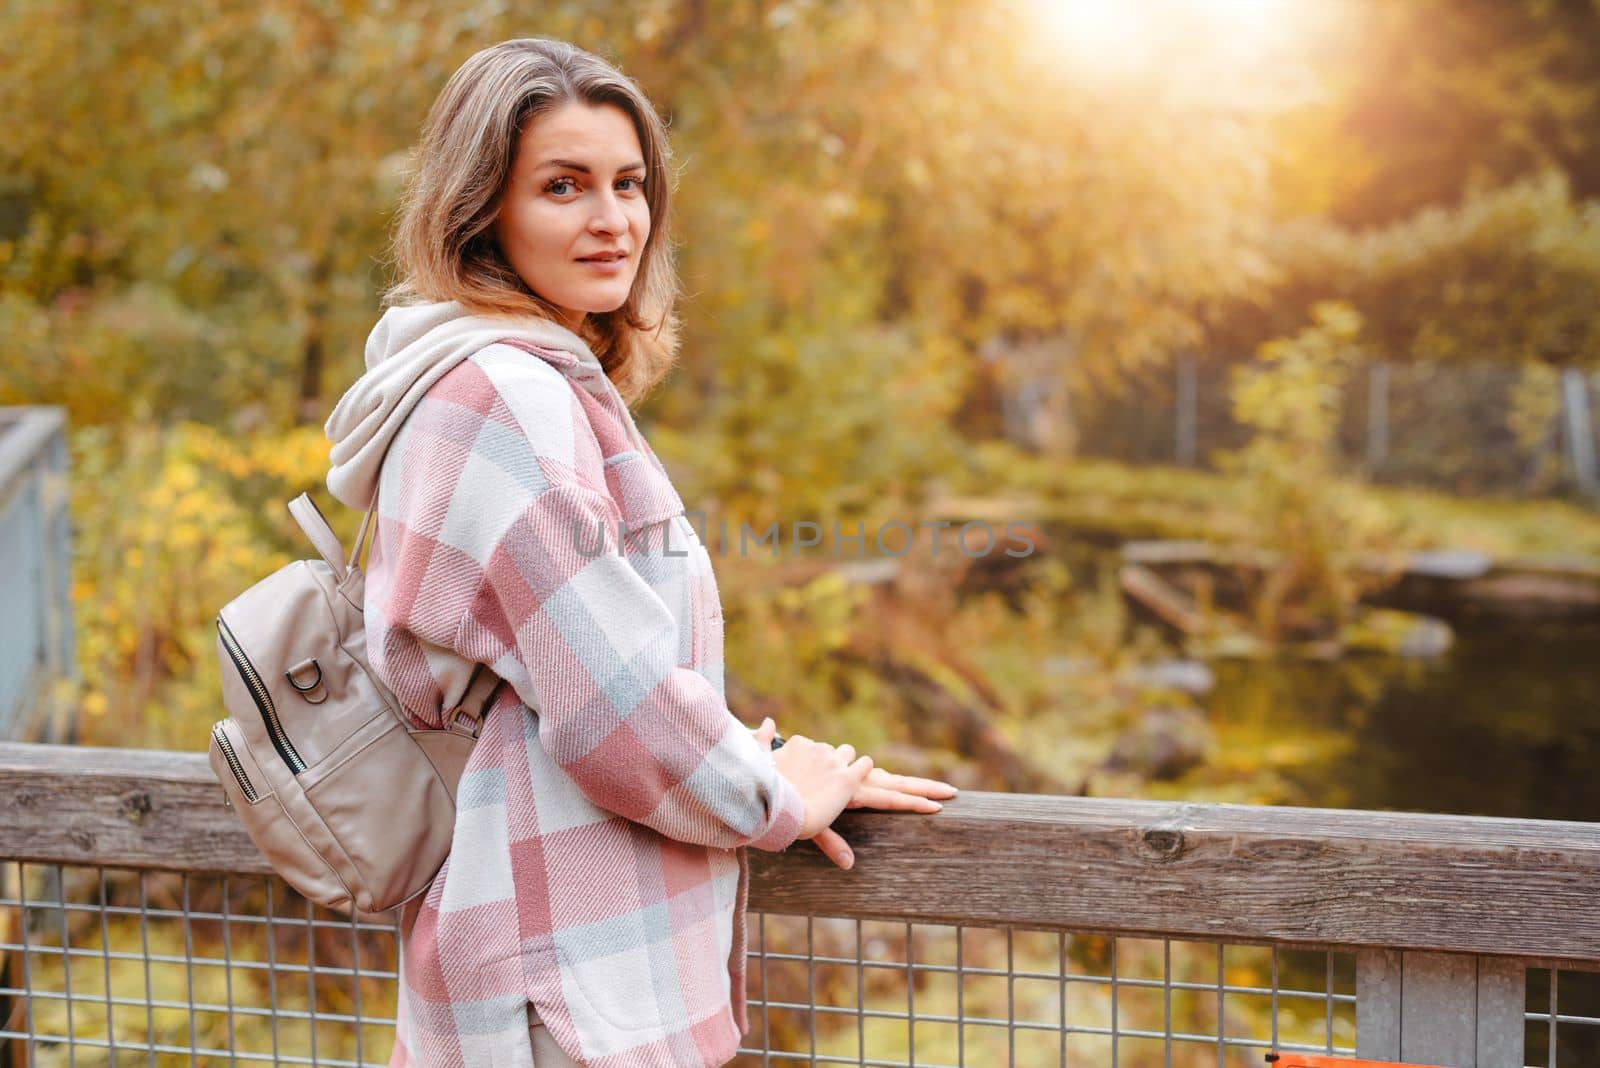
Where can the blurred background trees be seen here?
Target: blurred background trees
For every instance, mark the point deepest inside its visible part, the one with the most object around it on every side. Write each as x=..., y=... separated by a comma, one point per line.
x=932, y=252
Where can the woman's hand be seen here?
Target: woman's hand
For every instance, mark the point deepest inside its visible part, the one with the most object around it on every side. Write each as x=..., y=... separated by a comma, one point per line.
x=880, y=789
x=827, y=777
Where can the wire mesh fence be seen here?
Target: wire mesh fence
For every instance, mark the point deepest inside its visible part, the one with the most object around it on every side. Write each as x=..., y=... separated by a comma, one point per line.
x=1471, y=426
x=866, y=992
x=1563, y=1018
x=107, y=966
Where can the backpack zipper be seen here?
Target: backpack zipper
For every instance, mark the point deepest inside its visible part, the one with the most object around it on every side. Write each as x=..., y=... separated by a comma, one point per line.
x=263, y=699
x=233, y=762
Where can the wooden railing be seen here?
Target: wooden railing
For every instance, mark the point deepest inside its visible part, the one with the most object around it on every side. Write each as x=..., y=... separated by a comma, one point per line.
x=1445, y=916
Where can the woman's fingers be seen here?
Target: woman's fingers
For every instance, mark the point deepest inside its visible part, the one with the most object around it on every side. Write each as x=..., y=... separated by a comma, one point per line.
x=888, y=800
x=847, y=752
x=835, y=848
x=926, y=787
x=766, y=732
x=910, y=784
x=901, y=793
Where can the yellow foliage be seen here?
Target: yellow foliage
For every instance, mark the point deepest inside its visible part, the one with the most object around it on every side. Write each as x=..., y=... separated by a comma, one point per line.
x=171, y=524
x=1301, y=508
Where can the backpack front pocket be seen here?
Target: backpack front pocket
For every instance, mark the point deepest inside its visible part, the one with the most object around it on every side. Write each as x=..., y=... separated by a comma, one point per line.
x=262, y=698
x=261, y=810
x=388, y=810
x=223, y=746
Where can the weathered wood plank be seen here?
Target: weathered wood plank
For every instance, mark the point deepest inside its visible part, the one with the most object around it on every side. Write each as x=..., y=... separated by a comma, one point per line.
x=1315, y=876
x=1324, y=877
x=120, y=808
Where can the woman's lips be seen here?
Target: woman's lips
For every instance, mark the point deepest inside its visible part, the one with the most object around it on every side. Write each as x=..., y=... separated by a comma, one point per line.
x=612, y=265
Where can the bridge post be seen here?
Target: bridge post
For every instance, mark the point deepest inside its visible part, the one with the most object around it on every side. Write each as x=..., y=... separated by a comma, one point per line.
x=1440, y=1008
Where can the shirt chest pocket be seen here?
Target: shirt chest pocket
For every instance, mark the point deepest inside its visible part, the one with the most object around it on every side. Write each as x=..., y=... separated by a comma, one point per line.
x=643, y=493
x=665, y=547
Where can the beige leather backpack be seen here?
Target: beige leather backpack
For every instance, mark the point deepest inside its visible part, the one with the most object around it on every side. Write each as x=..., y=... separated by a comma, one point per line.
x=352, y=805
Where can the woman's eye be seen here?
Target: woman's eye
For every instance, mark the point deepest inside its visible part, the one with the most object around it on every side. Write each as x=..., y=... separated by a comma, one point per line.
x=563, y=186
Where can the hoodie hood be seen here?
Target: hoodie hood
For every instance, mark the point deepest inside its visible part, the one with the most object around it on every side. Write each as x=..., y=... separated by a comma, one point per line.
x=410, y=349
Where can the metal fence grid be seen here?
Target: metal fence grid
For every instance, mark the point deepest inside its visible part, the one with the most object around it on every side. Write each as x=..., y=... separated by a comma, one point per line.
x=1444, y=424
x=105, y=966
x=1563, y=1018
x=895, y=993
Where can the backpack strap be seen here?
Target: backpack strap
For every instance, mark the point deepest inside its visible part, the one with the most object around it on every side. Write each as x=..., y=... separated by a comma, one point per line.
x=315, y=524
x=468, y=713
x=361, y=535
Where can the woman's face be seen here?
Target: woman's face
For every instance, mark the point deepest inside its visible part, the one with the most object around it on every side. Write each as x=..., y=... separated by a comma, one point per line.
x=573, y=218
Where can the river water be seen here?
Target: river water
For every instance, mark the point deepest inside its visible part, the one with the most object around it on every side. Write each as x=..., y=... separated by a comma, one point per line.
x=1505, y=724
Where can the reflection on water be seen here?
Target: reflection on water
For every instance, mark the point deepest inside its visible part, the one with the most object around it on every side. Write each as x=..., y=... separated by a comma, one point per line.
x=1506, y=724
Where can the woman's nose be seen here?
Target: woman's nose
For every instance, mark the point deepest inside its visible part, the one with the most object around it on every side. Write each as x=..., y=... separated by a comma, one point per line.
x=608, y=217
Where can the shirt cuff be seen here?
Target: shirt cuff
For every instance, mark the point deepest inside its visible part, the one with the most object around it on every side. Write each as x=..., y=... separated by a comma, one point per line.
x=789, y=812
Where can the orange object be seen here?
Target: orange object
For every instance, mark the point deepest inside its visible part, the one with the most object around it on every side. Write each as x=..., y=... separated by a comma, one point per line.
x=1316, y=1060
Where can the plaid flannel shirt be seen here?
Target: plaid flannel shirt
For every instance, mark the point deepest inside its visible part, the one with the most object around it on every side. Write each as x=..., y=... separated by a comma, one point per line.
x=596, y=868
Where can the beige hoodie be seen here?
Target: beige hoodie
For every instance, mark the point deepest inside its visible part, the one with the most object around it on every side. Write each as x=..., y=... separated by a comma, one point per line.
x=410, y=349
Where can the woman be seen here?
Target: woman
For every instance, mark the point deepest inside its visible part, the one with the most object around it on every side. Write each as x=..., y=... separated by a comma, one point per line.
x=592, y=909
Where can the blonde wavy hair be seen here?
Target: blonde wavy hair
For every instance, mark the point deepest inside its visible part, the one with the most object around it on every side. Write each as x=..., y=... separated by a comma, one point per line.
x=444, y=247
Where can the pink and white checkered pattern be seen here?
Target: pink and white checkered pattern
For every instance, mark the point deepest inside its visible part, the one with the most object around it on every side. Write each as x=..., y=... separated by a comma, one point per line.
x=596, y=869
